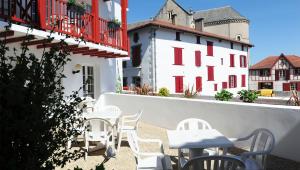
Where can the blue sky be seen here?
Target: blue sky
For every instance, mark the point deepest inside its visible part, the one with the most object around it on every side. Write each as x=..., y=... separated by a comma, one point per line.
x=274, y=24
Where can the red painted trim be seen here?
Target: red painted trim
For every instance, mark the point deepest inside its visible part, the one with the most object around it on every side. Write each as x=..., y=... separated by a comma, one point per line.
x=243, y=80
x=178, y=84
x=224, y=85
x=210, y=48
x=199, y=84
x=177, y=56
x=210, y=73
x=231, y=60
x=198, y=58
x=215, y=87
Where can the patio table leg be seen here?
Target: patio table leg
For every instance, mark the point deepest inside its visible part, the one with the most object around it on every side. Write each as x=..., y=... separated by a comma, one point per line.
x=194, y=153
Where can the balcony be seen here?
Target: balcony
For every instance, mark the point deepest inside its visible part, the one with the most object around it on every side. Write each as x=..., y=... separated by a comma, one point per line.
x=57, y=16
x=162, y=113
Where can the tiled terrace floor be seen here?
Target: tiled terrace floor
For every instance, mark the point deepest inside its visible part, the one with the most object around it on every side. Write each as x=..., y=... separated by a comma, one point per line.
x=125, y=159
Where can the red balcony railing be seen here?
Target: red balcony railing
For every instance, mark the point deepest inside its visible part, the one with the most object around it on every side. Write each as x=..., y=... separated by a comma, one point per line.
x=55, y=15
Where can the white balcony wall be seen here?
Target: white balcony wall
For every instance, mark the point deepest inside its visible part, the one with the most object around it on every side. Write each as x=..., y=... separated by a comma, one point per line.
x=232, y=119
x=110, y=9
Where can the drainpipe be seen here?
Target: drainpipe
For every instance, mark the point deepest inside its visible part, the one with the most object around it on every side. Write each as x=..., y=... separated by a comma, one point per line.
x=153, y=44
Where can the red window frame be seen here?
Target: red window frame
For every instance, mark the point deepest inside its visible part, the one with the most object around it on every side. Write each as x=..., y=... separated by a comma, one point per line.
x=177, y=56
x=243, y=61
x=243, y=80
x=210, y=73
x=210, y=48
x=224, y=85
x=199, y=84
x=198, y=58
x=178, y=84
x=234, y=85
x=231, y=60
x=215, y=87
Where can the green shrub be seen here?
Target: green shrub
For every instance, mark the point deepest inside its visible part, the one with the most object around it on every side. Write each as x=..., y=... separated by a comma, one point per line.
x=248, y=96
x=224, y=95
x=190, y=93
x=164, y=92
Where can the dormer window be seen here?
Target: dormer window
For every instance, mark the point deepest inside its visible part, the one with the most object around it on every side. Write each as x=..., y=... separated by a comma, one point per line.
x=178, y=36
x=238, y=37
x=174, y=19
x=282, y=62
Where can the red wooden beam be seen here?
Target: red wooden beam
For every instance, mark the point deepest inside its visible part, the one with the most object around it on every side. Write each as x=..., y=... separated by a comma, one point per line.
x=7, y=34
x=49, y=45
x=18, y=39
x=98, y=53
x=37, y=42
x=80, y=50
x=92, y=51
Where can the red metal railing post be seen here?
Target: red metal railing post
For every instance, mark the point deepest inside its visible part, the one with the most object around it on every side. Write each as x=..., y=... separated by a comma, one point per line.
x=124, y=5
x=96, y=26
x=42, y=13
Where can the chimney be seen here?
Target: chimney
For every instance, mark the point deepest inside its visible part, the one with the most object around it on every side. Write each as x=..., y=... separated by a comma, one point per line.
x=199, y=24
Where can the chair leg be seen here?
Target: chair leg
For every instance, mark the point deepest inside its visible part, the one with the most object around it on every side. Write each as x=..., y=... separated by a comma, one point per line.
x=119, y=141
x=86, y=149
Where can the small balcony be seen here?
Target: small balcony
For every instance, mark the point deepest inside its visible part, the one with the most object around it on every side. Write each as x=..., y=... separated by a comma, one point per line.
x=61, y=17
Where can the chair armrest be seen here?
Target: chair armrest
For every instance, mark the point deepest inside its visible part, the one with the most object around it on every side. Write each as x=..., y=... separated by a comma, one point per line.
x=248, y=154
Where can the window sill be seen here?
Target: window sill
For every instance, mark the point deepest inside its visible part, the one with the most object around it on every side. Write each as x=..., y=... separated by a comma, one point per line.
x=210, y=55
x=210, y=80
x=178, y=64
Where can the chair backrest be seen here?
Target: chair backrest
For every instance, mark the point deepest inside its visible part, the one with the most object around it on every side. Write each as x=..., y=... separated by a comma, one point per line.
x=89, y=103
x=98, y=125
x=192, y=123
x=111, y=109
x=133, y=143
x=214, y=163
x=263, y=142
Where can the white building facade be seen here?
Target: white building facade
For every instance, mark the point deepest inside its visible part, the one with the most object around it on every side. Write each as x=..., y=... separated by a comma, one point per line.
x=176, y=57
x=95, y=45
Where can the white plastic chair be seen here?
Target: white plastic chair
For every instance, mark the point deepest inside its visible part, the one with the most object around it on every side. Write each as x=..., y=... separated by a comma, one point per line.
x=262, y=143
x=98, y=130
x=194, y=124
x=128, y=123
x=148, y=160
x=214, y=163
x=89, y=103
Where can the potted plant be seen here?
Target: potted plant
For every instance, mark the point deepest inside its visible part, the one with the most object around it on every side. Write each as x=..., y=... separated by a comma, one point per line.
x=114, y=24
x=75, y=7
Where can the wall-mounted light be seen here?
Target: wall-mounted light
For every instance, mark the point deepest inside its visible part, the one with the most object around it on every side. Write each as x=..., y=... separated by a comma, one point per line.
x=76, y=69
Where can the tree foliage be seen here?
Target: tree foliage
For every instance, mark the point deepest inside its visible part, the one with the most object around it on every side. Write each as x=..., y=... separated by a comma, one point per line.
x=36, y=117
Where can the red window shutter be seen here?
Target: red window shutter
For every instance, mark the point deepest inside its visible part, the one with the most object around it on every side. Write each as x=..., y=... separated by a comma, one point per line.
x=210, y=73
x=245, y=61
x=235, y=82
x=298, y=86
x=286, y=87
x=224, y=85
x=241, y=61
x=243, y=80
x=178, y=84
x=210, y=48
x=178, y=56
x=231, y=60
x=199, y=84
x=216, y=87
x=229, y=82
x=198, y=58
x=276, y=75
x=287, y=75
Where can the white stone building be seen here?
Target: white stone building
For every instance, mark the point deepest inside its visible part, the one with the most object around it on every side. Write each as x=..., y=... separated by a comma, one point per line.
x=166, y=54
x=279, y=73
x=94, y=61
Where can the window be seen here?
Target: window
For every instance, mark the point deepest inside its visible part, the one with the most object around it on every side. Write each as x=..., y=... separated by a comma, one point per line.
x=224, y=85
x=243, y=61
x=297, y=72
x=178, y=36
x=243, y=80
x=215, y=87
x=178, y=84
x=293, y=86
x=264, y=73
x=282, y=74
x=136, y=37
x=238, y=37
x=231, y=60
x=242, y=47
x=136, y=56
x=265, y=85
x=199, y=84
x=125, y=82
x=124, y=64
x=136, y=80
x=198, y=40
x=286, y=87
x=231, y=45
x=232, y=81
x=210, y=48
x=177, y=56
x=198, y=58
x=174, y=19
x=282, y=62
x=222, y=62
x=210, y=73
x=88, y=81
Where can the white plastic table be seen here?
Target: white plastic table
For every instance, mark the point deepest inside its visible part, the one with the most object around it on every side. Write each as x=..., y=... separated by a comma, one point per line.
x=102, y=115
x=197, y=140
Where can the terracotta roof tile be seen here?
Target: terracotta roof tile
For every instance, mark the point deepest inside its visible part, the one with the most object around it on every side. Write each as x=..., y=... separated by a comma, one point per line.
x=269, y=62
x=139, y=25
